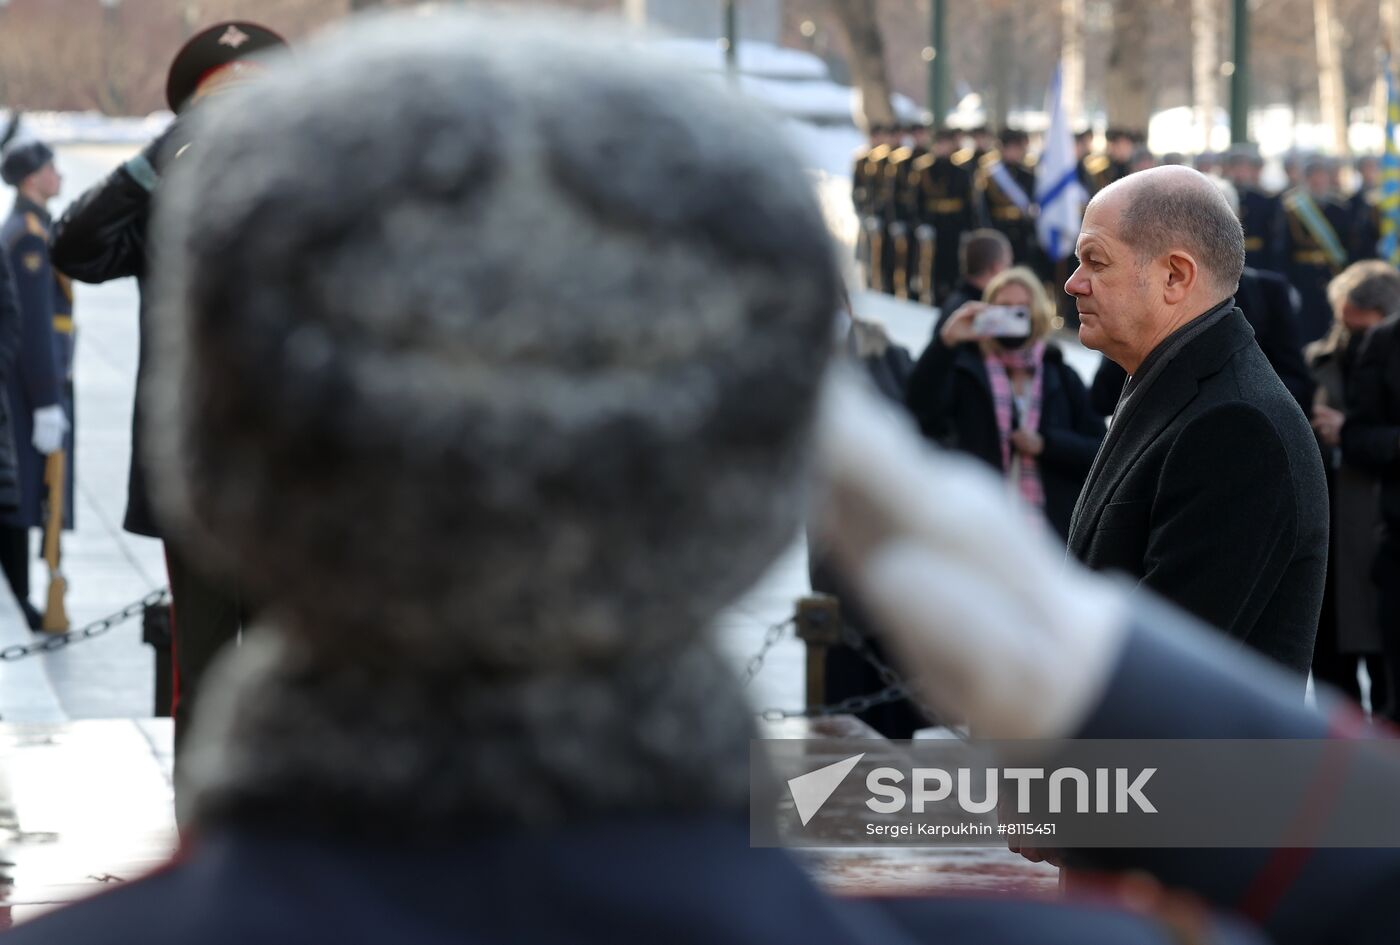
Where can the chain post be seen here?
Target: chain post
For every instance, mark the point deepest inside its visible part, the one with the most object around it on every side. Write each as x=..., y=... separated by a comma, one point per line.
x=818, y=621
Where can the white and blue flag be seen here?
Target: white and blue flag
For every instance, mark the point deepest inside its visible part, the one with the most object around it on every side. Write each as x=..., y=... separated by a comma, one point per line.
x=1057, y=188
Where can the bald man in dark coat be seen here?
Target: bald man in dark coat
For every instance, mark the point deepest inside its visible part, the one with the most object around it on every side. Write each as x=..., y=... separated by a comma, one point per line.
x=1209, y=488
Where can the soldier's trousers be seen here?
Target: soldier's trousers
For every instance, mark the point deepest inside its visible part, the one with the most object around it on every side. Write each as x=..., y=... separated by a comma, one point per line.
x=205, y=617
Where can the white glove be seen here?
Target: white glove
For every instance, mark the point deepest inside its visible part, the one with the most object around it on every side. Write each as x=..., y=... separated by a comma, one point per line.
x=50, y=425
x=979, y=605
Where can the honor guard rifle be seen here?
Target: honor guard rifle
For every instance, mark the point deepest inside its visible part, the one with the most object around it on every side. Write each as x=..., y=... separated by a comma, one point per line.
x=55, y=615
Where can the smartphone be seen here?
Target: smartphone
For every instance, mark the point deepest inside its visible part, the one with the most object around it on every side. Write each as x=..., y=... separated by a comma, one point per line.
x=1003, y=321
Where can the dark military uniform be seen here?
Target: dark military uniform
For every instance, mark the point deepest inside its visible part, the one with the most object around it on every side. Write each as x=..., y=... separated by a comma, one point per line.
x=943, y=212
x=901, y=252
x=1317, y=239
x=1261, y=216
x=1001, y=207
x=43, y=373
x=1364, y=209
x=866, y=194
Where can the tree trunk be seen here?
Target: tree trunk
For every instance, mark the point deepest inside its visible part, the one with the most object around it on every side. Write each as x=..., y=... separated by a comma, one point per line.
x=1072, y=58
x=1127, y=93
x=1205, y=67
x=1331, y=92
x=357, y=5
x=1003, y=51
x=867, y=60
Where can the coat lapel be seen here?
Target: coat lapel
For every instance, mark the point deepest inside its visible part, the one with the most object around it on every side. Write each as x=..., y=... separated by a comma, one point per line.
x=1149, y=412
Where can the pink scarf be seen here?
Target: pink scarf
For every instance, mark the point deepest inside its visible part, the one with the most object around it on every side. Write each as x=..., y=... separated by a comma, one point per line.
x=1027, y=480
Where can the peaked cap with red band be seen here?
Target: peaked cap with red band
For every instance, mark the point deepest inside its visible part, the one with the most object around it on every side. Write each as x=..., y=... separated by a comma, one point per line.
x=212, y=49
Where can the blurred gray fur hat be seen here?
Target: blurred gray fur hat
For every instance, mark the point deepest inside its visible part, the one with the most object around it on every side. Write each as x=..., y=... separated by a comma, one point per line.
x=492, y=402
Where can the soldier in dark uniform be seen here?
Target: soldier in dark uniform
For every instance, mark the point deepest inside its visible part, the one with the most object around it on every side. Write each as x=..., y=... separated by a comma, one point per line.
x=868, y=196
x=1005, y=190
x=897, y=202
x=1087, y=163
x=1317, y=242
x=102, y=236
x=40, y=389
x=983, y=142
x=1116, y=163
x=943, y=211
x=1364, y=207
x=1261, y=213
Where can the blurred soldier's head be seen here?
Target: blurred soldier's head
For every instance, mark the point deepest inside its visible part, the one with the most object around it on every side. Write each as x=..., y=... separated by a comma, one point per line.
x=1293, y=168
x=1014, y=144
x=982, y=138
x=1142, y=160
x=1083, y=143
x=1318, y=176
x=1368, y=168
x=1120, y=145
x=28, y=166
x=946, y=141
x=1241, y=167
x=1156, y=249
x=920, y=132
x=492, y=431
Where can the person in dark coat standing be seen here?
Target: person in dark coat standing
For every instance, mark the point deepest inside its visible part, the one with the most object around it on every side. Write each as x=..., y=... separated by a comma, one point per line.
x=1209, y=488
x=102, y=236
x=1362, y=296
x=1012, y=402
x=41, y=413
x=1370, y=438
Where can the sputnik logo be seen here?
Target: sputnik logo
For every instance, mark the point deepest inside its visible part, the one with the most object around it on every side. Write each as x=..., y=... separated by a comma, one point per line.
x=813, y=789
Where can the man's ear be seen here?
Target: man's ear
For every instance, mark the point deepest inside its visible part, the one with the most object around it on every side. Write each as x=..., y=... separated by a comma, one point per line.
x=1181, y=277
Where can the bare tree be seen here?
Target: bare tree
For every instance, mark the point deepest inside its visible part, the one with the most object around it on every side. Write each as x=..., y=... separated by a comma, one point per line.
x=1127, y=96
x=1205, y=68
x=1331, y=90
x=1072, y=26
x=867, y=58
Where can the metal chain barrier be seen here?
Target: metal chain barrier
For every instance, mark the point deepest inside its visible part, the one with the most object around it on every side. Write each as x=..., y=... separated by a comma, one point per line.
x=57, y=641
x=895, y=688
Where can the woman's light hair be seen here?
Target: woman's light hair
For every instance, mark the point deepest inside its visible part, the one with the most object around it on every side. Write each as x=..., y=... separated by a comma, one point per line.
x=1042, y=310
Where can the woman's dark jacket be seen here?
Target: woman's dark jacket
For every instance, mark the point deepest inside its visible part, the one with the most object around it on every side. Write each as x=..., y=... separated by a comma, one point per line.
x=950, y=396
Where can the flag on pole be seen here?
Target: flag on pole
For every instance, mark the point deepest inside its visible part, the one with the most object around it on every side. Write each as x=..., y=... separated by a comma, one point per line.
x=1057, y=187
x=1389, y=246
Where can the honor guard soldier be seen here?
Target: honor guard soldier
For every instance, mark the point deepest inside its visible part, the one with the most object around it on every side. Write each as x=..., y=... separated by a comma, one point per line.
x=942, y=185
x=867, y=191
x=40, y=389
x=1261, y=213
x=1317, y=238
x=899, y=252
x=864, y=191
x=102, y=236
x=1005, y=189
x=1364, y=207
x=1116, y=163
x=1087, y=163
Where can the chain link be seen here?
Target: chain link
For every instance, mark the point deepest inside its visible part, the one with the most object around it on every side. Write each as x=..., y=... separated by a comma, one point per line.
x=771, y=638
x=57, y=641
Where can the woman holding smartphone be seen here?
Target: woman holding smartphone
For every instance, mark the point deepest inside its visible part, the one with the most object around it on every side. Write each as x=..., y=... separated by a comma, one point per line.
x=992, y=384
